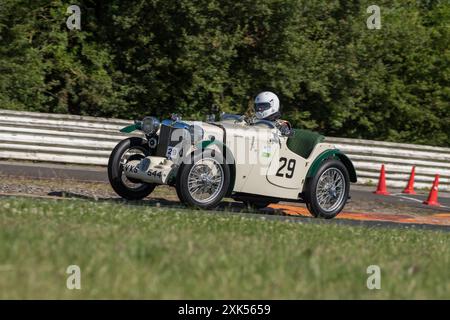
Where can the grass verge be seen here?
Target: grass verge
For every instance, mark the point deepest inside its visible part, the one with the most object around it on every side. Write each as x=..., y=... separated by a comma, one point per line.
x=132, y=252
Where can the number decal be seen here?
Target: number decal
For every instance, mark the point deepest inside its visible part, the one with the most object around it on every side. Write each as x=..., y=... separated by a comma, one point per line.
x=284, y=160
x=290, y=168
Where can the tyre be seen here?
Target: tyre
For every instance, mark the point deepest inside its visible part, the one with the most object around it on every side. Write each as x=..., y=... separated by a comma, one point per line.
x=204, y=181
x=125, y=151
x=327, y=192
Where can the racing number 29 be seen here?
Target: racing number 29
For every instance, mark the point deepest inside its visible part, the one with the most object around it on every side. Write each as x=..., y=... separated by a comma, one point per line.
x=290, y=168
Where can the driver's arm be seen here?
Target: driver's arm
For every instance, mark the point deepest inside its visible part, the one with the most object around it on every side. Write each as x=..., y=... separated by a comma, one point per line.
x=284, y=126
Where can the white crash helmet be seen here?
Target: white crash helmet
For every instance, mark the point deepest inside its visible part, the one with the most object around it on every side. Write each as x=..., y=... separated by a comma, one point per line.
x=267, y=105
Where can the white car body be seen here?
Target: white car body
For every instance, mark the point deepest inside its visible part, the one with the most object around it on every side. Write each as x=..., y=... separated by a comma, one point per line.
x=256, y=162
x=256, y=151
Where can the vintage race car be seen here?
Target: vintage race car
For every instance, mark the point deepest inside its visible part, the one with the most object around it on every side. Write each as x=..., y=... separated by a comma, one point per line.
x=248, y=160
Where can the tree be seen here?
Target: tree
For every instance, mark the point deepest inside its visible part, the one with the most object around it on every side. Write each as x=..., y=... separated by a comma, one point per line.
x=333, y=74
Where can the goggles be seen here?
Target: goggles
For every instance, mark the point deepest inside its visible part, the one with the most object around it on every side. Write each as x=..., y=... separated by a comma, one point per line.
x=263, y=106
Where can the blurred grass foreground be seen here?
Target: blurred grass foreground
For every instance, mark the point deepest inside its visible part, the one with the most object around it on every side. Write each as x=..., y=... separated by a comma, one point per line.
x=126, y=251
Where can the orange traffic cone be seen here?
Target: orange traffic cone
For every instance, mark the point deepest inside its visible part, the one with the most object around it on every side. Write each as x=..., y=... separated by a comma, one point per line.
x=410, y=187
x=382, y=183
x=433, y=197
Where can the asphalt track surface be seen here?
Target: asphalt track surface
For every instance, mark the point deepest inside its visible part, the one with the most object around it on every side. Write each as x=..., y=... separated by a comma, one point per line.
x=435, y=218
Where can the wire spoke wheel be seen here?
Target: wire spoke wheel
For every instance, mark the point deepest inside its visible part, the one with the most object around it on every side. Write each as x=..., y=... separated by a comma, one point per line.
x=330, y=189
x=126, y=151
x=205, y=180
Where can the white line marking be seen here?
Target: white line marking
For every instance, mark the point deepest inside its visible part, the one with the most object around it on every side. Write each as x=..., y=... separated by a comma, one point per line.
x=414, y=199
x=408, y=198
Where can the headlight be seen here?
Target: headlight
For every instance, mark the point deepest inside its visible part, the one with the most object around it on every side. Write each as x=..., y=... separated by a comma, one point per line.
x=197, y=133
x=150, y=125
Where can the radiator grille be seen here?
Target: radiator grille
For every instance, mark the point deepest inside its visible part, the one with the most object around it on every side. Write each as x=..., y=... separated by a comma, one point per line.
x=163, y=142
x=166, y=134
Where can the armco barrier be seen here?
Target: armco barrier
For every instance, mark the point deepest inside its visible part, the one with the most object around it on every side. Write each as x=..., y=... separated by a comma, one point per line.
x=89, y=140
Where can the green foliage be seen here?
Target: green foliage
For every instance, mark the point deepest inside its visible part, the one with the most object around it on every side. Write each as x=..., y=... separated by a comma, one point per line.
x=331, y=72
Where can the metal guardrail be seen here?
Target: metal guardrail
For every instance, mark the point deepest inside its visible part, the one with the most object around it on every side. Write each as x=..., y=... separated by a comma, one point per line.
x=89, y=140
x=368, y=156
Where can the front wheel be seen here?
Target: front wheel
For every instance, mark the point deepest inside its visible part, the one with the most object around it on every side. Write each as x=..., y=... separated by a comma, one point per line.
x=327, y=192
x=204, y=181
x=128, y=150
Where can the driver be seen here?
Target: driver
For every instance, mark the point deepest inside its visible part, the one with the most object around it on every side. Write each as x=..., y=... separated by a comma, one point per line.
x=267, y=107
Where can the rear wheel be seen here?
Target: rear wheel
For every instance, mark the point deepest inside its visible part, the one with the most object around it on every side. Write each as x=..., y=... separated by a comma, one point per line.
x=327, y=192
x=128, y=150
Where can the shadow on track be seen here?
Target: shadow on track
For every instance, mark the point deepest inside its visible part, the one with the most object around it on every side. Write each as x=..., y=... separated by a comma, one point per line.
x=228, y=206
